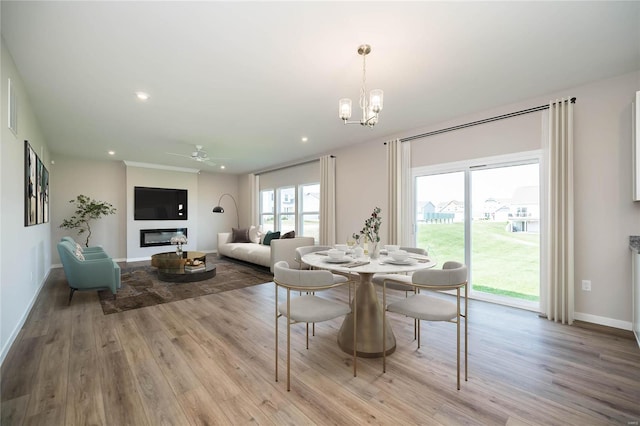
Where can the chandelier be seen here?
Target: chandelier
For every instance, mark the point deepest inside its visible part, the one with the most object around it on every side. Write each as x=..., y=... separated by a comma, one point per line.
x=370, y=107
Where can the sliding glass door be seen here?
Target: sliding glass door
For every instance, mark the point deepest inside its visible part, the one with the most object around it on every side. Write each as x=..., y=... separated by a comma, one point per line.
x=487, y=216
x=505, y=232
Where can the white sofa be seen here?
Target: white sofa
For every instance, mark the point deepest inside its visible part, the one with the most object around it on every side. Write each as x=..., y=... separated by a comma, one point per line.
x=280, y=249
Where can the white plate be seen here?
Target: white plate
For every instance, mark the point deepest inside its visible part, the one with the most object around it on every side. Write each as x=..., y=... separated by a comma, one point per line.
x=409, y=261
x=343, y=260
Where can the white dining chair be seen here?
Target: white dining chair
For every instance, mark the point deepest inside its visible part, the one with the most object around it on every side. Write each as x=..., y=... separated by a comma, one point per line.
x=422, y=307
x=304, y=250
x=308, y=307
x=400, y=282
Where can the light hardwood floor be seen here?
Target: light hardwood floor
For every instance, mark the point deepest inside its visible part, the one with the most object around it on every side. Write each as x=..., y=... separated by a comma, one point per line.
x=210, y=360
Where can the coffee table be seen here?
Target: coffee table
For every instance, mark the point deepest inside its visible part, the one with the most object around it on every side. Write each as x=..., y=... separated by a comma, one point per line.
x=171, y=267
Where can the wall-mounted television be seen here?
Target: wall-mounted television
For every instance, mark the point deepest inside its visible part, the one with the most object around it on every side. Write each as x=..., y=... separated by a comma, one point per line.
x=159, y=203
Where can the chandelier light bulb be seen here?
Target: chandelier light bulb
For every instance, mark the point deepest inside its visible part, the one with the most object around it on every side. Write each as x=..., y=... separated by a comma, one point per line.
x=344, y=109
x=375, y=100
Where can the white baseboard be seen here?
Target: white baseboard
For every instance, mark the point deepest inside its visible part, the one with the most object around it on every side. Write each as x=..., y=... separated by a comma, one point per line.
x=14, y=333
x=609, y=322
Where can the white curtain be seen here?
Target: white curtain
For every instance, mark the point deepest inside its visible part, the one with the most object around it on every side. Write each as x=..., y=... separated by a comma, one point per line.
x=558, y=299
x=399, y=192
x=327, y=200
x=254, y=185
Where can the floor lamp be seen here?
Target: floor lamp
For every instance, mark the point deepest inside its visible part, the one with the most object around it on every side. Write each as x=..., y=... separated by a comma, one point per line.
x=220, y=209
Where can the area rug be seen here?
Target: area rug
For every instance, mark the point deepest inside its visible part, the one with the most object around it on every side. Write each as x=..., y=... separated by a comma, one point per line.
x=141, y=286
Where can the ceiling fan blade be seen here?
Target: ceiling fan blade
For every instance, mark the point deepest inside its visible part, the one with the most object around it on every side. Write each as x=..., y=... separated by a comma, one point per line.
x=178, y=155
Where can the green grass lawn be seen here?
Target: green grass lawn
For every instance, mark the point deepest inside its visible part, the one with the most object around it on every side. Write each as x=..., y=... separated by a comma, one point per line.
x=504, y=263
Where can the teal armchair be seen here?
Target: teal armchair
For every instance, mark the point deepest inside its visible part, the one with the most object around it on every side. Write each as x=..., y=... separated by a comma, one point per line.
x=91, y=273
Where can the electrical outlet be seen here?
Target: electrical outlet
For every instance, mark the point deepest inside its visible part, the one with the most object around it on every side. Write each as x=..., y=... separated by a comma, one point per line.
x=586, y=285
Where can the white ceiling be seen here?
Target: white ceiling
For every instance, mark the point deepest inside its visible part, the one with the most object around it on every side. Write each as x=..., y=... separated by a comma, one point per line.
x=247, y=80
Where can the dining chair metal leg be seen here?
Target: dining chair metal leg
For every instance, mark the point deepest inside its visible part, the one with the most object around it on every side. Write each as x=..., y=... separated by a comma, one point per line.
x=276, y=332
x=288, y=340
x=458, y=336
x=384, y=326
x=355, y=328
x=307, y=336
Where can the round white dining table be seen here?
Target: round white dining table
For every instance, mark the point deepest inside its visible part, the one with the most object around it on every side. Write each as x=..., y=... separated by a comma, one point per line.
x=368, y=309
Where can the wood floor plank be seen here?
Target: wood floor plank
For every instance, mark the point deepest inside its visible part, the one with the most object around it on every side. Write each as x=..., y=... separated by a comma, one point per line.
x=18, y=373
x=158, y=400
x=175, y=368
x=122, y=403
x=51, y=378
x=210, y=360
x=85, y=405
x=14, y=411
x=201, y=408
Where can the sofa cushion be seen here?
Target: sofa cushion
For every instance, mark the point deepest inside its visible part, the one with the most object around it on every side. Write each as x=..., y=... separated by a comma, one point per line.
x=290, y=234
x=270, y=236
x=240, y=235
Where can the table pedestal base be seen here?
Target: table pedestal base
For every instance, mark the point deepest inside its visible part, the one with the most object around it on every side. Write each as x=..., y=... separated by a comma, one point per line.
x=369, y=326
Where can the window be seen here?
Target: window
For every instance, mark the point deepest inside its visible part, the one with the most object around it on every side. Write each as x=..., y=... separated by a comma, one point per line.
x=286, y=209
x=291, y=208
x=266, y=210
x=310, y=211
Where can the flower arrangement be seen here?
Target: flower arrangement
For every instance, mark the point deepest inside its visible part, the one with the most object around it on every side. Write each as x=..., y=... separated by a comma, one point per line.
x=179, y=239
x=371, y=227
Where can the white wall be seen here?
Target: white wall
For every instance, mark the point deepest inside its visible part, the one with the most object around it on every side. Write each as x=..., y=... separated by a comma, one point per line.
x=25, y=255
x=605, y=214
x=157, y=178
x=210, y=188
x=113, y=181
x=100, y=180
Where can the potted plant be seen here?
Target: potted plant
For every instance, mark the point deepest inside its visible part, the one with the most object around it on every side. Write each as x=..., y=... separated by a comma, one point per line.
x=87, y=209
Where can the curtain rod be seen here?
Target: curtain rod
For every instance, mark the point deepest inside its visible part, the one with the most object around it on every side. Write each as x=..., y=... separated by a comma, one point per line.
x=290, y=165
x=483, y=121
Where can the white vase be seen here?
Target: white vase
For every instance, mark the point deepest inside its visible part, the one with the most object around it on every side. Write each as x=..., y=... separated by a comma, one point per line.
x=374, y=249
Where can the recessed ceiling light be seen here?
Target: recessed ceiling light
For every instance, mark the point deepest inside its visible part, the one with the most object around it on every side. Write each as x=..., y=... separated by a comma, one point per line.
x=112, y=153
x=142, y=96
x=304, y=139
x=223, y=166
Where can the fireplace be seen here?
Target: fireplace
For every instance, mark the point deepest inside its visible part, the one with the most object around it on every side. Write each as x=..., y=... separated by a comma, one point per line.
x=159, y=237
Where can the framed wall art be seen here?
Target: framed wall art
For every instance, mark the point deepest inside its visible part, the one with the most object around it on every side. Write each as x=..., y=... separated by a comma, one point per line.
x=30, y=197
x=36, y=188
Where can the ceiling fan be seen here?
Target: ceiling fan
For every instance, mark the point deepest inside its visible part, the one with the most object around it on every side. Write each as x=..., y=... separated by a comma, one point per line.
x=199, y=155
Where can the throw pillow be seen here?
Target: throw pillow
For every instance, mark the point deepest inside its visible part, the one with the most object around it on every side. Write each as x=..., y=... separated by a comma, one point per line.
x=254, y=234
x=79, y=255
x=240, y=235
x=290, y=234
x=270, y=236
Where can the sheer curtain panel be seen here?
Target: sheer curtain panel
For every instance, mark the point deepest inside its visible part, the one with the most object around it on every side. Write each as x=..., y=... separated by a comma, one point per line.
x=559, y=295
